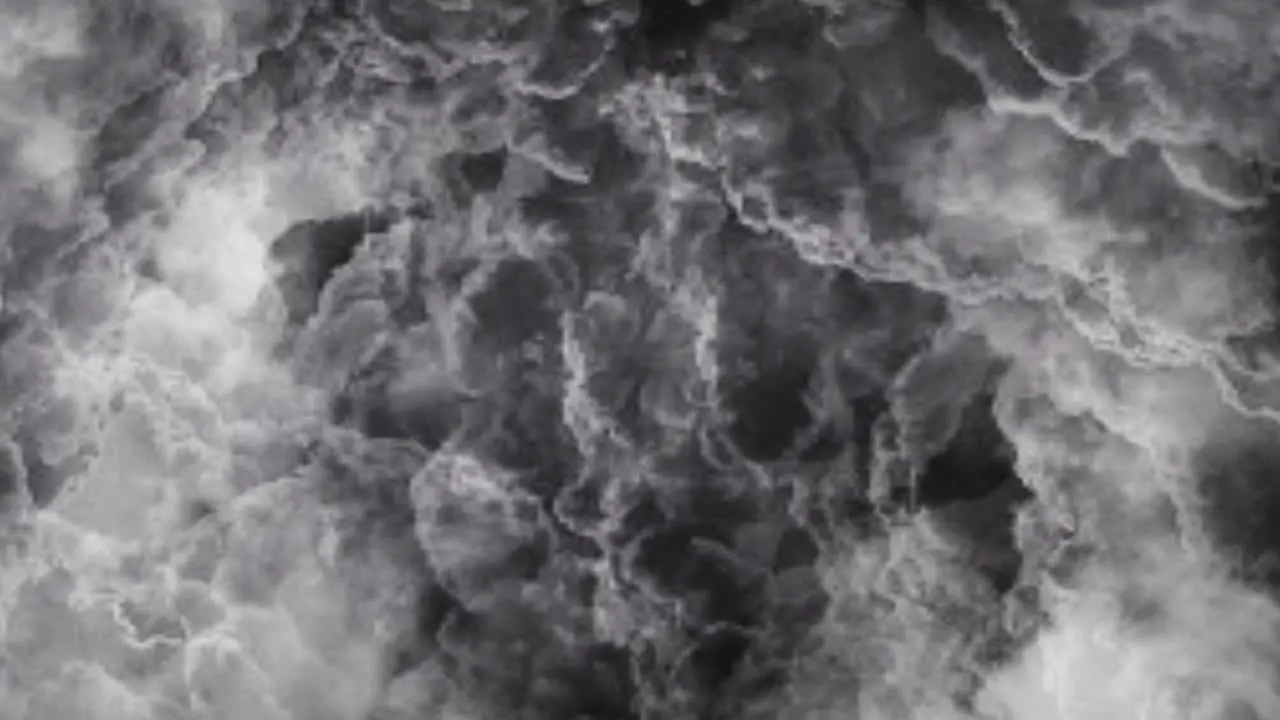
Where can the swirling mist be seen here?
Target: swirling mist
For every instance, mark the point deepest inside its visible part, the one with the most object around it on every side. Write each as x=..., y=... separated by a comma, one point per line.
x=639, y=360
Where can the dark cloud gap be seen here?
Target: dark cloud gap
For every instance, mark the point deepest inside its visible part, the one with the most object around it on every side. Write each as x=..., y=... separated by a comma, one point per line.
x=1236, y=486
x=515, y=282
x=429, y=418
x=668, y=33
x=769, y=413
x=46, y=478
x=977, y=462
x=1265, y=223
x=483, y=171
x=311, y=252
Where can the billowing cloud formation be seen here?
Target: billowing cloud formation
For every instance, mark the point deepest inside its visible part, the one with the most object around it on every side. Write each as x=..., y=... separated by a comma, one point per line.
x=376, y=360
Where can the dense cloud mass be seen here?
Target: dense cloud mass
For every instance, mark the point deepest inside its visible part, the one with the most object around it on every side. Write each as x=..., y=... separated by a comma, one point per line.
x=639, y=360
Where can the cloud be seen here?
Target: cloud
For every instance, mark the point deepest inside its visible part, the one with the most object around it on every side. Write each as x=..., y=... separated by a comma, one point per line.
x=560, y=272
